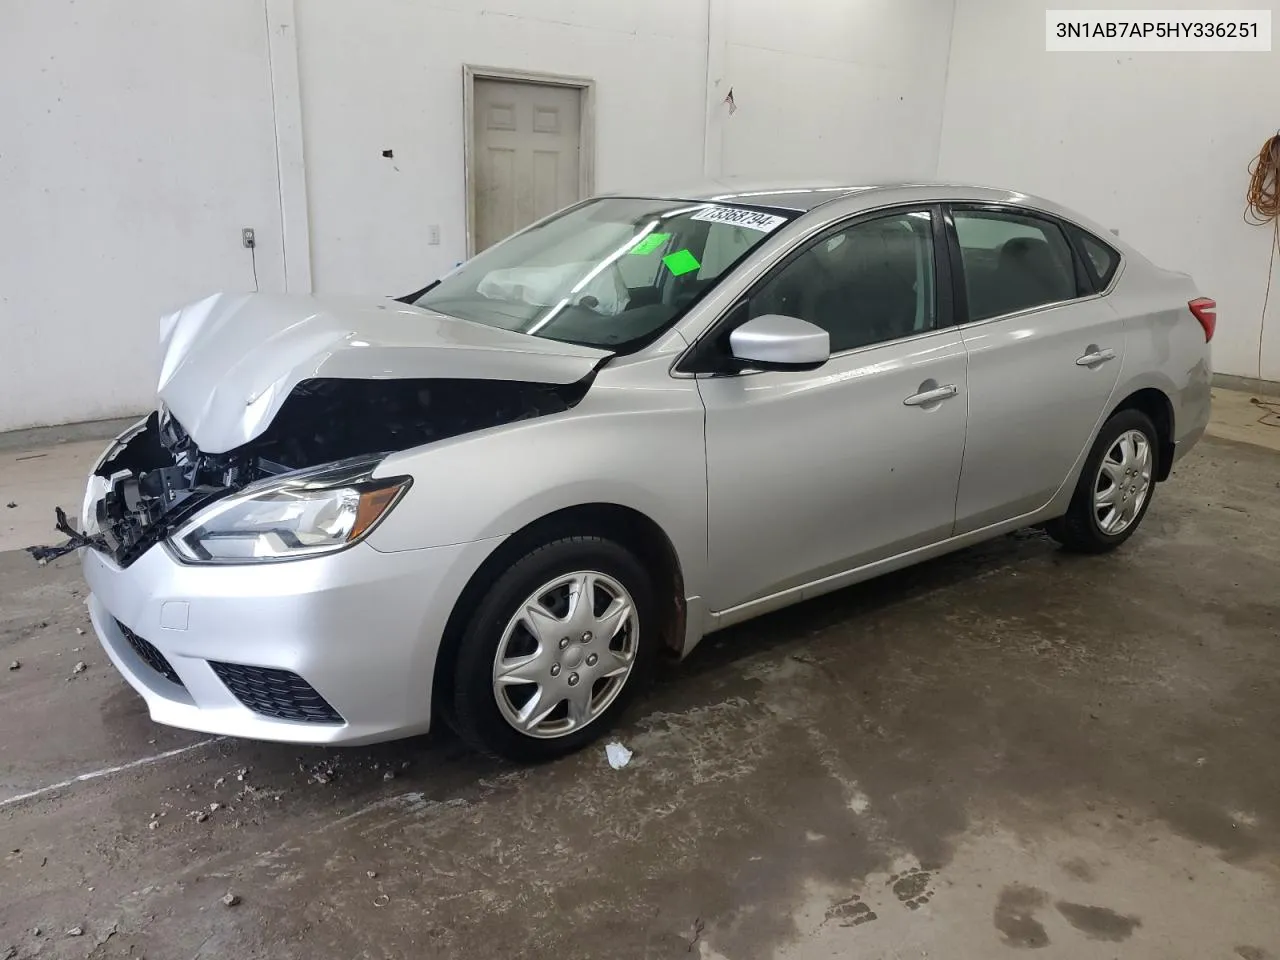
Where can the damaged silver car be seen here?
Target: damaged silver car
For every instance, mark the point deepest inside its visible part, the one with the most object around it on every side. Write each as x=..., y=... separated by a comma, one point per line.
x=502, y=499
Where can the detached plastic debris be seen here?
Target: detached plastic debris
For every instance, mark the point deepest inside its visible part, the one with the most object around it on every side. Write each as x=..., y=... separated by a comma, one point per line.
x=75, y=540
x=619, y=756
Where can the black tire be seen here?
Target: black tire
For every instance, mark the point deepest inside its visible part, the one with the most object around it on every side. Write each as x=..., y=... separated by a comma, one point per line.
x=474, y=712
x=1078, y=530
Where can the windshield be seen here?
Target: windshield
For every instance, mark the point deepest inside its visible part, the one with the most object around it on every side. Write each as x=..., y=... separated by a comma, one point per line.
x=611, y=273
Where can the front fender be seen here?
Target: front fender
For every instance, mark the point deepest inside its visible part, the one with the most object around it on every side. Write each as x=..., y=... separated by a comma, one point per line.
x=636, y=448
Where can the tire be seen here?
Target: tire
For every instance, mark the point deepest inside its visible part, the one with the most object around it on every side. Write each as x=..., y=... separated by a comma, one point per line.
x=488, y=723
x=1082, y=528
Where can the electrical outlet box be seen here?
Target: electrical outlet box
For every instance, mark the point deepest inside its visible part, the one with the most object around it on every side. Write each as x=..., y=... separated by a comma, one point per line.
x=247, y=238
x=433, y=234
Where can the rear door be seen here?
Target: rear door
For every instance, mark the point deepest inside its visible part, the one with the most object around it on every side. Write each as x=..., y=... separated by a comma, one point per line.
x=1045, y=352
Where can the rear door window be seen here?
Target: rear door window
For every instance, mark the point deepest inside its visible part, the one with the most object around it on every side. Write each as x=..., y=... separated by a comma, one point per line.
x=1013, y=262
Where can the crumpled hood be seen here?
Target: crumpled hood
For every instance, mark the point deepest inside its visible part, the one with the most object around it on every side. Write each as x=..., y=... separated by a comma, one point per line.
x=230, y=360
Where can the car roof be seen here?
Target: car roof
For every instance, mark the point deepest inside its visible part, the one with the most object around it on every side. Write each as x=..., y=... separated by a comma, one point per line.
x=804, y=196
x=797, y=195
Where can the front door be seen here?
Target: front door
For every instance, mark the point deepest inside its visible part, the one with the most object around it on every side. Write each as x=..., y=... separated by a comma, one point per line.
x=526, y=160
x=813, y=473
x=1044, y=358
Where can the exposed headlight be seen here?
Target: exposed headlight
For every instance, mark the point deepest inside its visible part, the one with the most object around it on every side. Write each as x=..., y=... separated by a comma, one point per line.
x=290, y=517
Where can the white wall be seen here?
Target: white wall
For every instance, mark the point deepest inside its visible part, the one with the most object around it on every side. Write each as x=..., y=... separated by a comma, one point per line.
x=847, y=90
x=823, y=89
x=387, y=74
x=136, y=141
x=1155, y=145
x=178, y=123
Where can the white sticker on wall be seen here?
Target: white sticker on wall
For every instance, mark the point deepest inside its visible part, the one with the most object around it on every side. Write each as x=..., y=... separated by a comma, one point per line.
x=738, y=217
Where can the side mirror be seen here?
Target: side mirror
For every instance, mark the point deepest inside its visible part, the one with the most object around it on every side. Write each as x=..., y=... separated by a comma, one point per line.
x=776, y=342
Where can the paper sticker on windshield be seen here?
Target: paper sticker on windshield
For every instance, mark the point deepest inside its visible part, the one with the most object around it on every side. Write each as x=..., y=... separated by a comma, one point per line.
x=681, y=262
x=650, y=243
x=738, y=217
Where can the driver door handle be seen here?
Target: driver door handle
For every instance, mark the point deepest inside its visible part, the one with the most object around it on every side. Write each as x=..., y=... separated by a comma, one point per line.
x=936, y=395
x=1095, y=357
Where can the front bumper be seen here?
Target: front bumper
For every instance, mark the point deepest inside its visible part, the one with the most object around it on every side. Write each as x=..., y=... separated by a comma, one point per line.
x=360, y=629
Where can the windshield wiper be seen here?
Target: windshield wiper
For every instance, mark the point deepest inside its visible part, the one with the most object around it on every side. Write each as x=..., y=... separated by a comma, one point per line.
x=411, y=297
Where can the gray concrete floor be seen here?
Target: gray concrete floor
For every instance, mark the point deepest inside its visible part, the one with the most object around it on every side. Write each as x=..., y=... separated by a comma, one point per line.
x=1006, y=750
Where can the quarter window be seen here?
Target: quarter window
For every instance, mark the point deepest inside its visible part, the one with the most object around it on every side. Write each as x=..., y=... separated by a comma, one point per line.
x=1103, y=260
x=867, y=283
x=1013, y=262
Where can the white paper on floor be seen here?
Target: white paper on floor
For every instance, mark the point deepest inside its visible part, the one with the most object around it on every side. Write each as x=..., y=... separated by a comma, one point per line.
x=619, y=756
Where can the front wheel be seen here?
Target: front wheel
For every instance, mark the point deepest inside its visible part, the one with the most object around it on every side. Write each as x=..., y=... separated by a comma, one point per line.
x=559, y=644
x=1115, y=486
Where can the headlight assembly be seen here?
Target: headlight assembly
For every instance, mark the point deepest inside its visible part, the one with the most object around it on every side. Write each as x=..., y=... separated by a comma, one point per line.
x=286, y=518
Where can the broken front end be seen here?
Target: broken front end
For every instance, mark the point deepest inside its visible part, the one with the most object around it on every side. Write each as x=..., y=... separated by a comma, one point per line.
x=326, y=439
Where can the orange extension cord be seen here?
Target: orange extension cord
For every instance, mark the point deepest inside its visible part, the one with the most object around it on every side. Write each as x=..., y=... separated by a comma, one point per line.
x=1263, y=198
x=1262, y=206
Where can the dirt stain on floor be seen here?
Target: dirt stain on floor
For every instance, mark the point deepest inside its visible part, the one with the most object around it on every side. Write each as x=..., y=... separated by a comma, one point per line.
x=1098, y=923
x=1015, y=917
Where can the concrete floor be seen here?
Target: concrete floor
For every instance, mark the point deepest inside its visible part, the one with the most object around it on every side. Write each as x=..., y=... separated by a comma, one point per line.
x=1006, y=750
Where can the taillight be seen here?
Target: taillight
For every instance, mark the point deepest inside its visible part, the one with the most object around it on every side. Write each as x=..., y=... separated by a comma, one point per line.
x=1206, y=311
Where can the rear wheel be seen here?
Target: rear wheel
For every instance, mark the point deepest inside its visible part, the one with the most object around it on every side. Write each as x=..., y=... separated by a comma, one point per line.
x=1115, y=486
x=557, y=647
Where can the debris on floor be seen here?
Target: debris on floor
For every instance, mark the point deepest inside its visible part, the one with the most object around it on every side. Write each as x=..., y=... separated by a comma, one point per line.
x=231, y=900
x=10, y=504
x=619, y=756
x=16, y=665
x=76, y=932
x=111, y=932
x=80, y=667
x=321, y=772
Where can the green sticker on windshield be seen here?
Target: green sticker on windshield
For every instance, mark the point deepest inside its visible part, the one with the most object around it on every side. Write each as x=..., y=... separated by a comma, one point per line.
x=681, y=262
x=650, y=243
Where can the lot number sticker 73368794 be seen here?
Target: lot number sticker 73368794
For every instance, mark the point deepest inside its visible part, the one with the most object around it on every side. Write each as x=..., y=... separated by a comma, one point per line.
x=738, y=217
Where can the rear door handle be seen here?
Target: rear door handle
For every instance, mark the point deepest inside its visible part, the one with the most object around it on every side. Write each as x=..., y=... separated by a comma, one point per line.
x=1095, y=357
x=936, y=395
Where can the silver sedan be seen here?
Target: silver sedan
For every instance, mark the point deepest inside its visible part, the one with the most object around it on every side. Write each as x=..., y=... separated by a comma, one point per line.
x=501, y=499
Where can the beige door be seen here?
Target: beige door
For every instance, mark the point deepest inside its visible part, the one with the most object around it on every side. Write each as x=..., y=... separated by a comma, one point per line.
x=527, y=140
